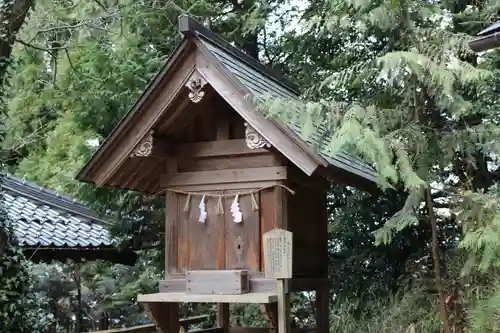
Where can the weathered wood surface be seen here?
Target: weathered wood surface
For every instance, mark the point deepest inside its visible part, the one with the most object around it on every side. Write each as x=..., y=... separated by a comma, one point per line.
x=278, y=251
x=270, y=314
x=217, y=282
x=307, y=219
x=236, y=98
x=243, y=239
x=224, y=176
x=151, y=146
x=164, y=315
x=217, y=148
x=225, y=186
x=189, y=298
x=172, y=233
x=206, y=240
x=257, y=284
x=214, y=244
x=230, y=162
x=223, y=316
x=284, y=317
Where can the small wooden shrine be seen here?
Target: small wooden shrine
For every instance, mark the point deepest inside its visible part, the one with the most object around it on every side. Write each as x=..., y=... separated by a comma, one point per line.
x=229, y=175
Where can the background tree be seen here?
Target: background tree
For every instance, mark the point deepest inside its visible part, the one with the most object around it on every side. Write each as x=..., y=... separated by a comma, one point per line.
x=20, y=310
x=394, y=82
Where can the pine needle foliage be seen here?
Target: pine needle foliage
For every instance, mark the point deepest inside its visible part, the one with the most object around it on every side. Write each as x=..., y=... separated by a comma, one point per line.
x=405, y=93
x=408, y=108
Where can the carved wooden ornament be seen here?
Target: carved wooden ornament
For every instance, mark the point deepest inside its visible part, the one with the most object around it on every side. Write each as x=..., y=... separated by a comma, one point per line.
x=145, y=147
x=195, y=84
x=254, y=139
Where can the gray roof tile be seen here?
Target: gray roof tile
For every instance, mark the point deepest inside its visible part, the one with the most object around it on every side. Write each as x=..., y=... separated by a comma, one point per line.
x=41, y=217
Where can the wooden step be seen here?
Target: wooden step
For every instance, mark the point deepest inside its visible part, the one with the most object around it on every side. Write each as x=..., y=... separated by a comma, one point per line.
x=178, y=297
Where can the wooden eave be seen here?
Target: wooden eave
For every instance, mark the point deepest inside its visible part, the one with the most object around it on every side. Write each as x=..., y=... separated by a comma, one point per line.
x=109, y=147
x=116, y=149
x=249, y=74
x=220, y=79
x=486, y=39
x=168, y=86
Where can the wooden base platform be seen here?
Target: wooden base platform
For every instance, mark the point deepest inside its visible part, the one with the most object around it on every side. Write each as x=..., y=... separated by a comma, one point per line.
x=259, y=298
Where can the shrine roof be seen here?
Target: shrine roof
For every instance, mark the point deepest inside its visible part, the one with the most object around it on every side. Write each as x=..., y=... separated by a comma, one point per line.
x=261, y=81
x=252, y=77
x=487, y=39
x=44, y=220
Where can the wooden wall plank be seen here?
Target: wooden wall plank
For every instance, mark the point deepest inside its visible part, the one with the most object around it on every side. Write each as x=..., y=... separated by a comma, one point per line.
x=224, y=176
x=222, y=123
x=267, y=208
x=183, y=239
x=206, y=239
x=171, y=235
x=223, y=187
x=171, y=225
x=221, y=163
x=308, y=221
x=243, y=239
x=216, y=148
x=258, y=284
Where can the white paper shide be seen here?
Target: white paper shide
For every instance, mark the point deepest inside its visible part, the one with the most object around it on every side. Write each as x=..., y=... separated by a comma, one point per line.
x=203, y=210
x=235, y=210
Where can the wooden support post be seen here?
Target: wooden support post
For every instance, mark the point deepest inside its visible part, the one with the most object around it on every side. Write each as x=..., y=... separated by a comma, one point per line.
x=222, y=317
x=322, y=309
x=104, y=321
x=284, y=323
x=164, y=315
x=278, y=265
x=270, y=313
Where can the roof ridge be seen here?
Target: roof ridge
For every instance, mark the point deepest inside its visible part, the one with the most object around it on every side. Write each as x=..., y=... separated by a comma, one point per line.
x=49, y=197
x=188, y=26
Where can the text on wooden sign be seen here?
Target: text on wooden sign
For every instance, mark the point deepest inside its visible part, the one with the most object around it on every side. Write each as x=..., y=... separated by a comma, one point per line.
x=278, y=254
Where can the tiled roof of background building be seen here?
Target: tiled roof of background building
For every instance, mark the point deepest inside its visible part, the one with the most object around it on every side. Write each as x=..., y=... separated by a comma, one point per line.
x=43, y=218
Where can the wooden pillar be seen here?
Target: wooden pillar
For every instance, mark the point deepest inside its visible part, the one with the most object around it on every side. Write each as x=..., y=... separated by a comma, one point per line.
x=270, y=313
x=103, y=321
x=322, y=309
x=165, y=316
x=222, y=316
x=284, y=315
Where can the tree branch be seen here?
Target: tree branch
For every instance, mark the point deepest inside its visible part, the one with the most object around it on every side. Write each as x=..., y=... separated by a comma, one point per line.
x=63, y=47
x=436, y=263
x=41, y=48
x=74, y=26
x=12, y=18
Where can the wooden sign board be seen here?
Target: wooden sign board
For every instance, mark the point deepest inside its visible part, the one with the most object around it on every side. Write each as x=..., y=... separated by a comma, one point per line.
x=278, y=254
